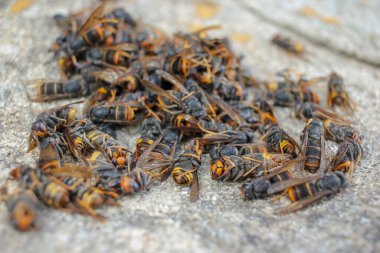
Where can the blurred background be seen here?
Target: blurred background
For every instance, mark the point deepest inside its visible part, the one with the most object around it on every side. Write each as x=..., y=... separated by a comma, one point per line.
x=338, y=35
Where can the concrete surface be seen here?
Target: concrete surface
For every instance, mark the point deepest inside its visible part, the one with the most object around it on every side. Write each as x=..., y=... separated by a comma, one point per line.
x=348, y=27
x=163, y=219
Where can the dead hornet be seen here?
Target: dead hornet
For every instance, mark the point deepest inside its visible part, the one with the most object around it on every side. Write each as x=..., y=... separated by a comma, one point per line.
x=116, y=87
x=85, y=197
x=339, y=132
x=159, y=156
x=258, y=188
x=122, y=80
x=191, y=85
x=347, y=157
x=313, y=146
x=118, y=55
x=243, y=135
x=109, y=75
x=306, y=191
x=115, y=113
x=48, y=191
x=183, y=62
x=294, y=96
x=288, y=45
x=44, y=90
x=185, y=169
x=226, y=167
x=175, y=102
x=279, y=141
x=102, y=133
x=97, y=28
x=151, y=129
x=116, y=153
x=306, y=111
x=143, y=143
x=52, y=123
x=22, y=207
x=337, y=94
x=135, y=181
x=195, y=103
x=138, y=180
x=105, y=172
x=94, y=31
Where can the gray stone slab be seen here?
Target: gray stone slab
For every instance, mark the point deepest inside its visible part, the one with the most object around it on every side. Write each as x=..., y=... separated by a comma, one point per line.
x=163, y=219
x=354, y=30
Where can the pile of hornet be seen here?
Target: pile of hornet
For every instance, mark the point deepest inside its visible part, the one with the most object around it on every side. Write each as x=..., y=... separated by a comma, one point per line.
x=190, y=99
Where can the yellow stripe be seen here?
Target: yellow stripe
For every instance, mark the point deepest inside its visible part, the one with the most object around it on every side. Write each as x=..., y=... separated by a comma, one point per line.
x=39, y=89
x=116, y=57
x=117, y=112
x=309, y=189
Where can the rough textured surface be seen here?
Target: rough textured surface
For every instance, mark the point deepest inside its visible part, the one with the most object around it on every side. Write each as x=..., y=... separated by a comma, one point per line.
x=348, y=27
x=163, y=219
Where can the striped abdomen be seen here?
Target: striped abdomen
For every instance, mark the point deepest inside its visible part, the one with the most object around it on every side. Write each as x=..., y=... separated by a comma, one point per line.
x=183, y=173
x=180, y=66
x=301, y=191
x=122, y=113
x=313, y=155
x=281, y=177
x=54, y=195
x=94, y=36
x=98, y=137
x=50, y=89
x=115, y=57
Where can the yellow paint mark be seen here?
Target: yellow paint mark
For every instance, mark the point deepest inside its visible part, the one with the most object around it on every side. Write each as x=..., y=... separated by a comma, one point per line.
x=310, y=12
x=331, y=20
x=20, y=5
x=240, y=37
x=307, y=11
x=206, y=9
x=195, y=27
